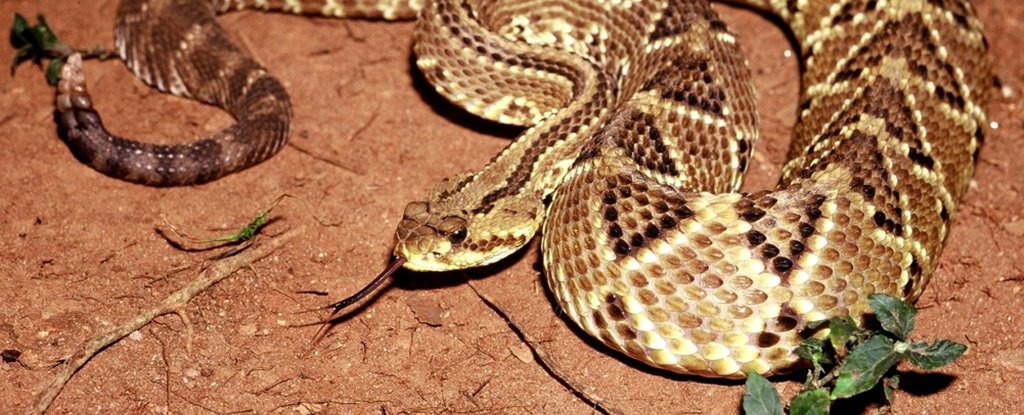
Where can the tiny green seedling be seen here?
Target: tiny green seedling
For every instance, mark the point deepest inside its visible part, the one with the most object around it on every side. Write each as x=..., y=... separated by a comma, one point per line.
x=243, y=238
x=858, y=359
x=38, y=42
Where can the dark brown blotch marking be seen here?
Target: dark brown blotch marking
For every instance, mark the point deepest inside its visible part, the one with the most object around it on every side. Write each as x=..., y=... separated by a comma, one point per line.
x=609, y=198
x=615, y=307
x=766, y=339
x=753, y=215
x=756, y=238
x=615, y=231
x=782, y=264
x=625, y=331
x=682, y=212
x=806, y=230
x=637, y=240
x=621, y=247
x=610, y=214
x=785, y=322
x=667, y=222
x=796, y=248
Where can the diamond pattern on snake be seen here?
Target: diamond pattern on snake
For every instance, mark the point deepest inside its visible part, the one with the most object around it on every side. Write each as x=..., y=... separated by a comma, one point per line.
x=640, y=123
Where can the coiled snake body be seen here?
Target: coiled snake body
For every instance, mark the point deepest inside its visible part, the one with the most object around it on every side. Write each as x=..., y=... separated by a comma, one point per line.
x=641, y=123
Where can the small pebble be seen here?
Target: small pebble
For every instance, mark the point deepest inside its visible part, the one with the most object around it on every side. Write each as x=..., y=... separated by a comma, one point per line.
x=1007, y=92
x=522, y=352
x=247, y=329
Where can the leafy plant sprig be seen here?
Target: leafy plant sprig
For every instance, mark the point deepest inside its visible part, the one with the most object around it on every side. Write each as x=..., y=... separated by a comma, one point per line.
x=852, y=361
x=38, y=42
x=241, y=239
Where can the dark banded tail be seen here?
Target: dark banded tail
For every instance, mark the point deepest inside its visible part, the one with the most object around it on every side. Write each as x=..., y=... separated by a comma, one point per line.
x=176, y=46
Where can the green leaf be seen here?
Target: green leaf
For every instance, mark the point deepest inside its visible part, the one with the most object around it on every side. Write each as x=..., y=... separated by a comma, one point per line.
x=812, y=325
x=39, y=42
x=938, y=354
x=840, y=331
x=46, y=36
x=23, y=47
x=810, y=349
x=865, y=366
x=35, y=43
x=889, y=386
x=26, y=41
x=760, y=397
x=895, y=315
x=19, y=24
x=20, y=55
x=53, y=71
x=810, y=402
x=813, y=350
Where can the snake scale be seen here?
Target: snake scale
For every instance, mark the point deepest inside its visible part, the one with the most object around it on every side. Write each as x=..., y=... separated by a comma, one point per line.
x=641, y=122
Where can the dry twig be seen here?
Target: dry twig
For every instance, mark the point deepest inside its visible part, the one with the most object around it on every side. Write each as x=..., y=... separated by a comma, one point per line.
x=173, y=303
x=546, y=361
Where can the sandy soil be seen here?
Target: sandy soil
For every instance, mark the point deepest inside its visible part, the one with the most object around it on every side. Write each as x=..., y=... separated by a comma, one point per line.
x=81, y=252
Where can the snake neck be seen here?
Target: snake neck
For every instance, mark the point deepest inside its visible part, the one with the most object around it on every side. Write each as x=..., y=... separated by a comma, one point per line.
x=568, y=69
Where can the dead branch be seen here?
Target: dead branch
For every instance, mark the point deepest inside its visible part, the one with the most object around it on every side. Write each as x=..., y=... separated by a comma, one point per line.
x=546, y=361
x=171, y=304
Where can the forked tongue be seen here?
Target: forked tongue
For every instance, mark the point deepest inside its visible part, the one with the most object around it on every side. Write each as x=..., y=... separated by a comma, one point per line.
x=340, y=306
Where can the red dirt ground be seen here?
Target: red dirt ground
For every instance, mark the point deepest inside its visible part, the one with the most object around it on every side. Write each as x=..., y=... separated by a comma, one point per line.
x=81, y=252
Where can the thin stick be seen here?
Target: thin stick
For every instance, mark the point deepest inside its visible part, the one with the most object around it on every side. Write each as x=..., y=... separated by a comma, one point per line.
x=354, y=170
x=171, y=304
x=546, y=361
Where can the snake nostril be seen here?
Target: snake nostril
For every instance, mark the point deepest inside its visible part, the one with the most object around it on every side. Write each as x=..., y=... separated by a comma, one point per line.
x=424, y=246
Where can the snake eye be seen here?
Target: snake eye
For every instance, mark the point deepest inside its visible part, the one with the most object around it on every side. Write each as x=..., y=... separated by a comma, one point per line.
x=454, y=227
x=458, y=236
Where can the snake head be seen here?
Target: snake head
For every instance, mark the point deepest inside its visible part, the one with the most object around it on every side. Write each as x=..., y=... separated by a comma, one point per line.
x=443, y=236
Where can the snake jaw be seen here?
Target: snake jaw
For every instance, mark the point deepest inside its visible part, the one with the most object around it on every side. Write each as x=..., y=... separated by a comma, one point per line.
x=432, y=239
x=425, y=239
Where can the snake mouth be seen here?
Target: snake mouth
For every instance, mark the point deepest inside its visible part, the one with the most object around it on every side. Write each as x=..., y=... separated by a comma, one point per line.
x=428, y=240
x=419, y=244
x=430, y=263
x=425, y=253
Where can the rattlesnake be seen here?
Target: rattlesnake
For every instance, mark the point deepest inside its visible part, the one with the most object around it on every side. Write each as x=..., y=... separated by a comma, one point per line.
x=641, y=123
